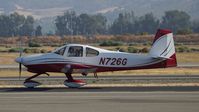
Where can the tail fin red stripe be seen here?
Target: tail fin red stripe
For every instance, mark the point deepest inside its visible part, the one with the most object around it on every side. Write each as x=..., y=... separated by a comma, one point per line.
x=160, y=33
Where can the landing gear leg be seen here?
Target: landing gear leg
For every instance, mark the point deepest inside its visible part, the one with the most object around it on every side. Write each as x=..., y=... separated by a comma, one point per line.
x=71, y=82
x=29, y=83
x=95, y=75
x=69, y=76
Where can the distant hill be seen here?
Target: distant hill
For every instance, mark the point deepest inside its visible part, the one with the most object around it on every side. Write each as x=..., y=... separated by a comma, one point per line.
x=50, y=8
x=46, y=8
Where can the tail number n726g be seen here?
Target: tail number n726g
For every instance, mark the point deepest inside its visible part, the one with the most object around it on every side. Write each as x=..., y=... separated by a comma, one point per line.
x=113, y=61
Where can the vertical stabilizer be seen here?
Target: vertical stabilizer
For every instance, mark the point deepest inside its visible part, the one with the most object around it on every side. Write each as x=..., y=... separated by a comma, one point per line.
x=163, y=47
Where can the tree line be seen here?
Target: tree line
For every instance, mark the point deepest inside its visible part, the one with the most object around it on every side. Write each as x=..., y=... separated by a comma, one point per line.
x=18, y=25
x=126, y=23
x=84, y=24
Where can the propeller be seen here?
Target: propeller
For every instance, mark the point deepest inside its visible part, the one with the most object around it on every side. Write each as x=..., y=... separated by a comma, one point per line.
x=20, y=54
x=20, y=67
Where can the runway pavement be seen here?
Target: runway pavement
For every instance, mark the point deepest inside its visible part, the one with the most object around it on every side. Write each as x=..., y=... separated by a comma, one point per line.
x=121, y=77
x=117, y=101
x=110, y=81
x=103, y=99
x=103, y=89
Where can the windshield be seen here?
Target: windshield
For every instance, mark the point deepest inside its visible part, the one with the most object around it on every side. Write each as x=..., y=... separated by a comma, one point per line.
x=60, y=51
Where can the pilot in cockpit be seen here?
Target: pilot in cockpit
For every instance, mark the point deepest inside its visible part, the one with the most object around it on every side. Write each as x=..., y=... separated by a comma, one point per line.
x=75, y=52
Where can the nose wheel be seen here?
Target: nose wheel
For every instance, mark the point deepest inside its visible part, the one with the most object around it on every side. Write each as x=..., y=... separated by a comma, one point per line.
x=29, y=83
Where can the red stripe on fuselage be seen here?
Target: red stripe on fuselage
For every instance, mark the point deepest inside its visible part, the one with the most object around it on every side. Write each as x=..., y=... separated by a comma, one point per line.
x=57, y=67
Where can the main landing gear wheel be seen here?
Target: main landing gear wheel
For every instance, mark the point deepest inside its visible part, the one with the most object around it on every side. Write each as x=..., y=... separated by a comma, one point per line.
x=72, y=83
x=29, y=83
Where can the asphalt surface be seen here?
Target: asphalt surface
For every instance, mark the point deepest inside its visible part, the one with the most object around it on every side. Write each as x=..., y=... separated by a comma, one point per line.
x=103, y=89
x=121, y=77
x=99, y=101
x=102, y=99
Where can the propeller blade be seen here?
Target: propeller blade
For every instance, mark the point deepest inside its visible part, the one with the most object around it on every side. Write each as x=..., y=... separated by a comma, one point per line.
x=20, y=66
x=20, y=54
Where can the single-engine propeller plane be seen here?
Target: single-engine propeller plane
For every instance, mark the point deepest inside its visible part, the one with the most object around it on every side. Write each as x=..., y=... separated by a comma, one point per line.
x=84, y=59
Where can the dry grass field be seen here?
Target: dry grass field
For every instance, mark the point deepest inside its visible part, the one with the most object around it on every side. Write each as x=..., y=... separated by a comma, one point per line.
x=182, y=58
x=167, y=71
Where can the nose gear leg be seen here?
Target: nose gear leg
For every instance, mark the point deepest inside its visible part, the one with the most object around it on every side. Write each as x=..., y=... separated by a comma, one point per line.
x=29, y=83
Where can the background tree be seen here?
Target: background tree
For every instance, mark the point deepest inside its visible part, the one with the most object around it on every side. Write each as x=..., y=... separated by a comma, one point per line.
x=195, y=26
x=5, y=26
x=66, y=24
x=17, y=22
x=16, y=25
x=100, y=26
x=123, y=24
x=38, y=31
x=84, y=24
x=147, y=23
x=176, y=20
x=27, y=28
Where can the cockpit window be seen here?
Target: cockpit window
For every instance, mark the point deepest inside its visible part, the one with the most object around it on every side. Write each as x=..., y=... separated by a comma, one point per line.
x=91, y=52
x=61, y=51
x=75, y=51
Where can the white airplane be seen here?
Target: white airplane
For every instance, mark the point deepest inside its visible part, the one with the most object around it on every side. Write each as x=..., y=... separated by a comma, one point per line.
x=84, y=59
